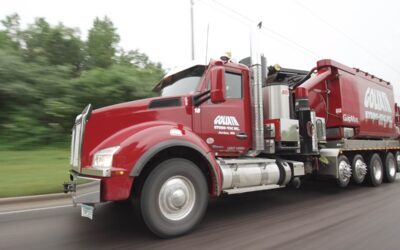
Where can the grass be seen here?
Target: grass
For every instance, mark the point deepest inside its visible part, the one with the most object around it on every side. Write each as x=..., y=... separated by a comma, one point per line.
x=33, y=172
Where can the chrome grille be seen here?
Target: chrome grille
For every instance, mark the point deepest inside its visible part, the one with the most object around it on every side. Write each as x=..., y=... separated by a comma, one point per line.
x=76, y=145
x=77, y=138
x=72, y=153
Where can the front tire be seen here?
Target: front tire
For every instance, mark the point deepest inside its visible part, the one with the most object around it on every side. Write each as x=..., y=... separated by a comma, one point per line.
x=174, y=198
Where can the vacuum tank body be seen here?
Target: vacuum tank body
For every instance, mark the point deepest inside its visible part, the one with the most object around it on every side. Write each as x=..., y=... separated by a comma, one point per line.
x=355, y=104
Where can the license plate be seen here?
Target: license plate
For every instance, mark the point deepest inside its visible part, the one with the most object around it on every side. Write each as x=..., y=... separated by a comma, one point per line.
x=87, y=211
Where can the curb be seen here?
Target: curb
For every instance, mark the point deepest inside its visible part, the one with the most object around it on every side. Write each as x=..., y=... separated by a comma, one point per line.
x=33, y=198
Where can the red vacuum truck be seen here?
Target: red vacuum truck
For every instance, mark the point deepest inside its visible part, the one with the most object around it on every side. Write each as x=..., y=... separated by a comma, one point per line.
x=228, y=128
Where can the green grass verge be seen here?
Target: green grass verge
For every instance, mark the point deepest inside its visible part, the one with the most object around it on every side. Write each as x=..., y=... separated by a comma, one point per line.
x=33, y=172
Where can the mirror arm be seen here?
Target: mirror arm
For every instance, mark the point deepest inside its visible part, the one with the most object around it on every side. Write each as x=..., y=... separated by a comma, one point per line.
x=198, y=99
x=201, y=101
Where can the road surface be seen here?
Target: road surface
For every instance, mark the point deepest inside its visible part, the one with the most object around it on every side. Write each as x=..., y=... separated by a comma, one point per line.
x=319, y=216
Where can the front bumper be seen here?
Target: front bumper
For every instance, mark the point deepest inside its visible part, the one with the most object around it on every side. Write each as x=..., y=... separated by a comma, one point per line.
x=84, y=190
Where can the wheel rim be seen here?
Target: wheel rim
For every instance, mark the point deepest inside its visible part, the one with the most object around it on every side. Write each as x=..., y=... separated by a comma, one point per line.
x=360, y=169
x=377, y=170
x=176, y=198
x=391, y=167
x=344, y=171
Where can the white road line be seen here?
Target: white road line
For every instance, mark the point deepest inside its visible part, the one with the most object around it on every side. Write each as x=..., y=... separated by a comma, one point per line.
x=34, y=209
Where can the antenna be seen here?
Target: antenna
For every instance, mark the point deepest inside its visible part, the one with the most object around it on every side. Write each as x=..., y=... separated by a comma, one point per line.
x=191, y=26
x=208, y=31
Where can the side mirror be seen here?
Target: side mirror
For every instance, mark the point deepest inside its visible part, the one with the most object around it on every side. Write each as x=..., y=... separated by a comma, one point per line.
x=218, y=84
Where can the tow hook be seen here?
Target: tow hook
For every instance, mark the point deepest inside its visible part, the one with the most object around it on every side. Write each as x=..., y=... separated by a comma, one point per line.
x=69, y=187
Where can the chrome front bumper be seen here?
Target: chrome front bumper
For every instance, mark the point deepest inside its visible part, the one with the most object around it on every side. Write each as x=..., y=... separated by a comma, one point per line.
x=84, y=190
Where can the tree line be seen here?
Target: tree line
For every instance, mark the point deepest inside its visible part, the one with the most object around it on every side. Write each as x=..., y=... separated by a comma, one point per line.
x=48, y=74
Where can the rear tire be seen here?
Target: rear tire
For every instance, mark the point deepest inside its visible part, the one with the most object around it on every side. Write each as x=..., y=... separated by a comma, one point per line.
x=398, y=161
x=390, y=168
x=375, y=170
x=359, y=169
x=344, y=171
x=174, y=198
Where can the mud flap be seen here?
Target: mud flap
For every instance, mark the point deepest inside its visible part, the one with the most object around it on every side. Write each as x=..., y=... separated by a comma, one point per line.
x=329, y=162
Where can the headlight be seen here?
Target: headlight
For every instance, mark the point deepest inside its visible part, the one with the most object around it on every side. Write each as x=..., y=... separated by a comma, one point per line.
x=103, y=158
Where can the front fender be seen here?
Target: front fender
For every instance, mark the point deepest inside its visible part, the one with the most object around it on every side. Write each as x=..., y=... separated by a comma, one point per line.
x=151, y=152
x=141, y=146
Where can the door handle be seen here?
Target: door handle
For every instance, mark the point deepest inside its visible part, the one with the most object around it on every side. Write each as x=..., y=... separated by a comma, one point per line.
x=241, y=136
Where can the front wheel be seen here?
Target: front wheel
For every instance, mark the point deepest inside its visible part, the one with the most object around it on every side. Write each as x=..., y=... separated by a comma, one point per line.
x=174, y=198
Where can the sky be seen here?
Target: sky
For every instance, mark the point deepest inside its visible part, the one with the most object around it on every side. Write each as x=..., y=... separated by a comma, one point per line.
x=296, y=33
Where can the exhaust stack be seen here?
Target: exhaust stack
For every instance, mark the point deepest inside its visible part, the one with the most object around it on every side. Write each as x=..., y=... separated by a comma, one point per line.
x=256, y=91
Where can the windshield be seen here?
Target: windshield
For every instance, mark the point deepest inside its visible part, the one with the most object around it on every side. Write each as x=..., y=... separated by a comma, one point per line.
x=183, y=86
x=181, y=83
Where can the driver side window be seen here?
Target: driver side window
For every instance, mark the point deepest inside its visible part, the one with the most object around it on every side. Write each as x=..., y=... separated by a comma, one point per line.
x=233, y=85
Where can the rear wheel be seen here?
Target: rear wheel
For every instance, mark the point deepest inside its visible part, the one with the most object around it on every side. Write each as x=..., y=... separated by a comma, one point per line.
x=344, y=171
x=359, y=169
x=174, y=198
x=390, y=168
x=375, y=170
x=398, y=160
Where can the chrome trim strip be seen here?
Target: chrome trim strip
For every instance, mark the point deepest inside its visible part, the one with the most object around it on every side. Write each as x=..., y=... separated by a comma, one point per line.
x=346, y=144
x=96, y=172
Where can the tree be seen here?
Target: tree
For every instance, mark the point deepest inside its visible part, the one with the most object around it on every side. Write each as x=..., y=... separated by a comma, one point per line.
x=102, y=43
x=135, y=58
x=36, y=37
x=57, y=45
x=44, y=83
x=64, y=46
x=12, y=30
x=25, y=91
x=116, y=84
x=5, y=42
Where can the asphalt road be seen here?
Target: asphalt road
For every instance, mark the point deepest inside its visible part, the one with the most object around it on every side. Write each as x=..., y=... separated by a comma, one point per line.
x=319, y=216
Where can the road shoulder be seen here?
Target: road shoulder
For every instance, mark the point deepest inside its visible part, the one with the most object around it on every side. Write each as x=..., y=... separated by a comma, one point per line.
x=34, y=202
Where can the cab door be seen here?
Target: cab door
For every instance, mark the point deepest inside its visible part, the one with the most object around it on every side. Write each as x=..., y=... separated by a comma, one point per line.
x=226, y=126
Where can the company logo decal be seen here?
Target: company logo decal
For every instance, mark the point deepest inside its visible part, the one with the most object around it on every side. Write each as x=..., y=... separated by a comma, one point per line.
x=226, y=125
x=350, y=118
x=378, y=107
x=226, y=120
x=377, y=100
